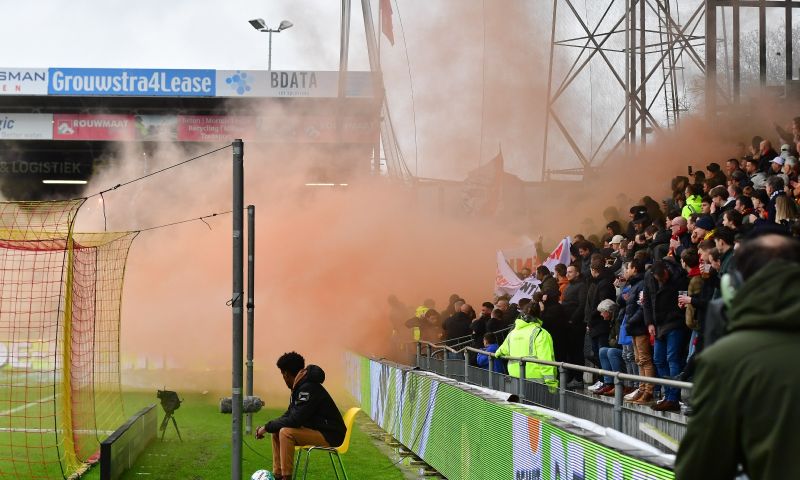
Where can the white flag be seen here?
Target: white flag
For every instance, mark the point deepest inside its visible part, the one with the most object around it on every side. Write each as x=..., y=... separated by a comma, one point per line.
x=559, y=255
x=505, y=281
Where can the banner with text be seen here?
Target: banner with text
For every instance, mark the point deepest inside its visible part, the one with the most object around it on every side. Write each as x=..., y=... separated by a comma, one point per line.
x=528, y=288
x=23, y=81
x=289, y=129
x=131, y=82
x=26, y=126
x=311, y=84
x=144, y=82
x=93, y=127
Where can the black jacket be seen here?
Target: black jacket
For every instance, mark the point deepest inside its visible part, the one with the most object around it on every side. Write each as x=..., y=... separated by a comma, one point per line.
x=574, y=303
x=312, y=407
x=549, y=286
x=661, y=302
x=457, y=327
x=600, y=288
x=659, y=247
x=478, y=327
x=554, y=320
x=634, y=325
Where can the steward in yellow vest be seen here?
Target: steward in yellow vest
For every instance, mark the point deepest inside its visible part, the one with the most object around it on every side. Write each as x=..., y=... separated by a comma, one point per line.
x=529, y=339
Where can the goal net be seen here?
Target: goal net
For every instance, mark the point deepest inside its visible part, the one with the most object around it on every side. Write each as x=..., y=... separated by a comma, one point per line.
x=60, y=300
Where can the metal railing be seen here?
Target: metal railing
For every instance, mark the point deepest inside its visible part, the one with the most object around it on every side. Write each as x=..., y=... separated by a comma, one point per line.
x=664, y=429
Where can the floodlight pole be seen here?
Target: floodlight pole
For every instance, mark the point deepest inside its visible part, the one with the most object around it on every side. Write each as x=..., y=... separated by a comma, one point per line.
x=344, y=48
x=236, y=304
x=251, y=252
x=269, y=57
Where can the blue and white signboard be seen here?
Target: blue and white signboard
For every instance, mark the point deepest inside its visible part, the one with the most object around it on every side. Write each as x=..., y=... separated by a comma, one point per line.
x=131, y=82
x=137, y=82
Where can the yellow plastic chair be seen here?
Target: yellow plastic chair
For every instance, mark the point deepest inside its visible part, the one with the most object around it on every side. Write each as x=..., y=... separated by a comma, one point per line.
x=349, y=418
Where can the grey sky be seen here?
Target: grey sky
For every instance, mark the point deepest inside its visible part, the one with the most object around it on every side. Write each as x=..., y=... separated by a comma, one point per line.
x=174, y=34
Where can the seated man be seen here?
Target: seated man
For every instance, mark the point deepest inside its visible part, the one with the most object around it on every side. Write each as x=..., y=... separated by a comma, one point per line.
x=312, y=417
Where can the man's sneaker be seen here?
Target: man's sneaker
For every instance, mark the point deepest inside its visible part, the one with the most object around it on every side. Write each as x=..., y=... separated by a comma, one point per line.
x=633, y=396
x=667, y=406
x=608, y=391
x=597, y=386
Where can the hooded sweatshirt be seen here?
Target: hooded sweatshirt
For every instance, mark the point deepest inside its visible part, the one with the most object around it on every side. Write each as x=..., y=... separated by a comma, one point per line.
x=312, y=407
x=746, y=386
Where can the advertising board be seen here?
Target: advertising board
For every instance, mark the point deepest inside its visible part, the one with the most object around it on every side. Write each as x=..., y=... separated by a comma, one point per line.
x=26, y=126
x=141, y=82
x=288, y=129
x=23, y=81
x=465, y=436
x=93, y=127
x=131, y=82
x=290, y=84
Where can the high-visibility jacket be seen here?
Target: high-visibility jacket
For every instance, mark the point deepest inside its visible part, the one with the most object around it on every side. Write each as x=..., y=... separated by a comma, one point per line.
x=694, y=204
x=529, y=339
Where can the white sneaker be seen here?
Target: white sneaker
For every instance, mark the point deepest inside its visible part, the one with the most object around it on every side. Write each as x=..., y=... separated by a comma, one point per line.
x=597, y=386
x=631, y=396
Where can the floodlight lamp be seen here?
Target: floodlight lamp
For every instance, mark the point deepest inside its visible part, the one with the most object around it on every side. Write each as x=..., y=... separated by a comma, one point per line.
x=284, y=25
x=258, y=23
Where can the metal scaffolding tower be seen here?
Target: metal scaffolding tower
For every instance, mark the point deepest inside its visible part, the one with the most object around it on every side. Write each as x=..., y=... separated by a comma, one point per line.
x=717, y=14
x=641, y=48
x=644, y=62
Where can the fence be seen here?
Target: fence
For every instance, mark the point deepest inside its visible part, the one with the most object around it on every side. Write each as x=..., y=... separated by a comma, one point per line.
x=465, y=433
x=660, y=429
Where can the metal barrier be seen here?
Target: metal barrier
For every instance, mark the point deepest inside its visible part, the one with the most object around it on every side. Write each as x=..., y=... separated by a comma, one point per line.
x=605, y=411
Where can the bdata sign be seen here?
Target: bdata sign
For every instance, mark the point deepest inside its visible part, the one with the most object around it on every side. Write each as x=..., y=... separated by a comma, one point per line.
x=290, y=84
x=131, y=82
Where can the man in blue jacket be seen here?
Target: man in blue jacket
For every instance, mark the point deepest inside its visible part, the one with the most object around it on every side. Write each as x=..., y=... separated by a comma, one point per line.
x=311, y=419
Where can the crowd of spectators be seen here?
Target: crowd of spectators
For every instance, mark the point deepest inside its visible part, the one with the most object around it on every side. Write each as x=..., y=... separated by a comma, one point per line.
x=643, y=296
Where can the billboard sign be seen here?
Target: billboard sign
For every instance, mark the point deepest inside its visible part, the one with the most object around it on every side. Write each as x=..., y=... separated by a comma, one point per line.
x=289, y=84
x=93, y=127
x=26, y=126
x=23, y=81
x=131, y=82
x=137, y=82
x=290, y=129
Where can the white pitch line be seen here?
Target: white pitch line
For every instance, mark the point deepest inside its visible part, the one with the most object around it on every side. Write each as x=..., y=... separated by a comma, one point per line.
x=27, y=405
x=52, y=430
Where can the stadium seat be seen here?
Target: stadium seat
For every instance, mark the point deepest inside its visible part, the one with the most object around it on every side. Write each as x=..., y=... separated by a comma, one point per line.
x=349, y=418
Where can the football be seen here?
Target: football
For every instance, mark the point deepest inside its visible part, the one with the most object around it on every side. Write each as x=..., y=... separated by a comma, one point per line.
x=262, y=475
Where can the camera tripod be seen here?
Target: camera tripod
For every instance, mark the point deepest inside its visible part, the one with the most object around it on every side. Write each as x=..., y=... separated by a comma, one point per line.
x=165, y=422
